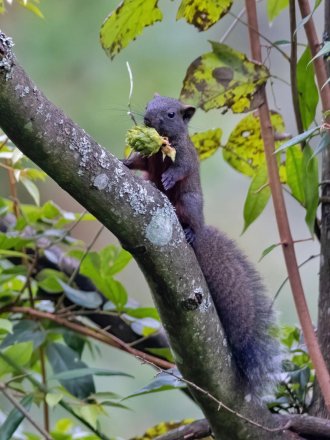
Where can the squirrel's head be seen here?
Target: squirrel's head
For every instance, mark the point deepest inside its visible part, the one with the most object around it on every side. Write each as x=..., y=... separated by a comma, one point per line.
x=168, y=116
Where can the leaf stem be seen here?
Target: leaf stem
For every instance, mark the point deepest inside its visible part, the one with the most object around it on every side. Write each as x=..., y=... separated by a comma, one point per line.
x=44, y=381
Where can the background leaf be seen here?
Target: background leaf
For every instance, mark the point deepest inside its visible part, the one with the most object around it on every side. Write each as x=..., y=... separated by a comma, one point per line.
x=257, y=197
x=20, y=354
x=311, y=186
x=87, y=299
x=162, y=382
x=295, y=175
x=25, y=331
x=203, y=13
x=207, y=142
x=275, y=7
x=244, y=150
x=223, y=78
x=307, y=90
x=63, y=359
x=14, y=419
x=126, y=22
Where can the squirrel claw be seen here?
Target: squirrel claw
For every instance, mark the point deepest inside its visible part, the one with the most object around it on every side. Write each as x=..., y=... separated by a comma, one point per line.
x=190, y=235
x=167, y=181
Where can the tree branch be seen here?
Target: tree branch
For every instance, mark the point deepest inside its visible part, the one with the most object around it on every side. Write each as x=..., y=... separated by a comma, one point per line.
x=318, y=406
x=283, y=222
x=144, y=221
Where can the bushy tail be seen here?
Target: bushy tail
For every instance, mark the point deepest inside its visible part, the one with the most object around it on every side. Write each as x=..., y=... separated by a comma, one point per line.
x=244, y=309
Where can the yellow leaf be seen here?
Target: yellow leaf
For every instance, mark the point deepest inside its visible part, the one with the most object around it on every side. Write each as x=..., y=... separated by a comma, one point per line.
x=244, y=150
x=207, y=142
x=203, y=13
x=224, y=78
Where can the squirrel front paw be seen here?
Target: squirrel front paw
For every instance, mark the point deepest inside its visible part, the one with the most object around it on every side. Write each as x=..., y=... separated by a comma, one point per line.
x=168, y=180
x=190, y=234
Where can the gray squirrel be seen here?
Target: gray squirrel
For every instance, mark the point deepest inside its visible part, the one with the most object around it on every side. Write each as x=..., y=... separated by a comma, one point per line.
x=235, y=286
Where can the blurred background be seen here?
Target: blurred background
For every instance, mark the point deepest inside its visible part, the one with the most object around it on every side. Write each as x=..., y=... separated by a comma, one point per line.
x=63, y=56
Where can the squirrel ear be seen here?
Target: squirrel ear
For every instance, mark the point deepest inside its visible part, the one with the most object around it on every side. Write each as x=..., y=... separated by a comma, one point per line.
x=188, y=112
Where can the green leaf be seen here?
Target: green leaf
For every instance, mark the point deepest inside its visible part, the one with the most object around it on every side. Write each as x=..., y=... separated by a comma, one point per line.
x=244, y=150
x=143, y=312
x=257, y=197
x=207, y=142
x=63, y=359
x=50, y=210
x=33, y=8
x=74, y=341
x=32, y=189
x=162, y=382
x=25, y=331
x=87, y=299
x=6, y=253
x=48, y=280
x=126, y=22
x=311, y=186
x=307, y=90
x=323, y=51
x=115, y=292
x=268, y=250
x=162, y=352
x=20, y=354
x=113, y=262
x=324, y=143
x=145, y=326
x=203, y=13
x=295, y=175
x=83, y=372
x=6, y=326
x=224, y=78
x=275, y=7
x=14, y=419
x=299, y=138
x=52, y=399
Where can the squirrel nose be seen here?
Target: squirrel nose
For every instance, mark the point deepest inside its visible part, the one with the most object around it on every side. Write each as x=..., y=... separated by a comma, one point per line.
x=147, y=122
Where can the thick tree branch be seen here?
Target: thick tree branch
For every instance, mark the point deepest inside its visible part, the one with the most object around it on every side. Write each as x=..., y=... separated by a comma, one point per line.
x=144, y=221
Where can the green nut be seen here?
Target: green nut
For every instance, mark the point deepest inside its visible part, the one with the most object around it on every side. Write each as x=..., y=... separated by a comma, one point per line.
x=144, y=140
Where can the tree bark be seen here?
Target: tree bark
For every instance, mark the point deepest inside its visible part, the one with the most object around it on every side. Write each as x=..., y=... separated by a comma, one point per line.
x=323, y=331
x=144, y=221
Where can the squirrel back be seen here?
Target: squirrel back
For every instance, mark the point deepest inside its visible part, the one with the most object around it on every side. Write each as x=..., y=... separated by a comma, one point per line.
x=235, y=286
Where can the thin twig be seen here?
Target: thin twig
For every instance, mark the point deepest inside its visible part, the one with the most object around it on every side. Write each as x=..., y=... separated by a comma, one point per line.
x=311, y=257
x=67, y=232
x=130, y=113
x=211, y=397
x=22, y=410
x=248, y=25
x=95, y=333
x=232, y=26
x=89, y=247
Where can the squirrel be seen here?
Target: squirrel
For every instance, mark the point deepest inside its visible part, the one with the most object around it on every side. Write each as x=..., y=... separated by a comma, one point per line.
x=235, y=286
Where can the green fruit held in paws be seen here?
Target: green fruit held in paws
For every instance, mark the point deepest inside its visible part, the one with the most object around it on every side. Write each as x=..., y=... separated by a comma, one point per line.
x=147, y=141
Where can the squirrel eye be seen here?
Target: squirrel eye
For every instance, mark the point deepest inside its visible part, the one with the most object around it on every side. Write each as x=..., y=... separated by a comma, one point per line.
x=171, y=115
